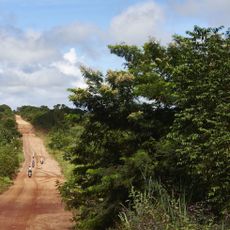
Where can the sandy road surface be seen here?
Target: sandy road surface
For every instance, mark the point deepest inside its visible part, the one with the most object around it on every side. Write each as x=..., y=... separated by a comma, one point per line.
x=34, y=203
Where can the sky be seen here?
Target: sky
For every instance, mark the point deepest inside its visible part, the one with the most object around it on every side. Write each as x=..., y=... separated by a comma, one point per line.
x=43, y=43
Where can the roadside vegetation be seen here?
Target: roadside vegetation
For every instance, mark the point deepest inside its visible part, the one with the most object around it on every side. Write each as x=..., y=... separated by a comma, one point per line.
x=58, y=127
x=46, y=119
x=10, y=147
x=60, y=143
x=151, y=149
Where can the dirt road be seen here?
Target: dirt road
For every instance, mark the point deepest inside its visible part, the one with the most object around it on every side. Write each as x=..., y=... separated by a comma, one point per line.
x=34, y=203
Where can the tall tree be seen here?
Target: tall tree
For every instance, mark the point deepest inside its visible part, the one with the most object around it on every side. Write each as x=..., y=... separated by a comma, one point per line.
x=116, y=147
x=127, y=131
x=200, y=133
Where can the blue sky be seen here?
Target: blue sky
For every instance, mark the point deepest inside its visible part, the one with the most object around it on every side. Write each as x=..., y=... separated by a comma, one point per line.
x=44, y=42
x=45, y=14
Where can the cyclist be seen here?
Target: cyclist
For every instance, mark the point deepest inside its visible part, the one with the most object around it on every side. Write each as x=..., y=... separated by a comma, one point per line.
x=29, y=171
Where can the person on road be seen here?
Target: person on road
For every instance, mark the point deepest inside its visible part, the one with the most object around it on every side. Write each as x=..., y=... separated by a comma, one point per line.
x=41, y=160
x=29, y=171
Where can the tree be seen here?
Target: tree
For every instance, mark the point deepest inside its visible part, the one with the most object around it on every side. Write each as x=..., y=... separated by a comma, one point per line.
x=200, y=133
x=150, y=66
x=130, y=131
x=116, y=147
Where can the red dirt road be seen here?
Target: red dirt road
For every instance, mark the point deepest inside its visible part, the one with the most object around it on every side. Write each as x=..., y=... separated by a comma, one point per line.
x=34, y=203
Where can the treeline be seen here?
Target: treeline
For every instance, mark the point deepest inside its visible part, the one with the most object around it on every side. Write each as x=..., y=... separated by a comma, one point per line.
x=46, y=119
x=10, y=146
x=61, y=124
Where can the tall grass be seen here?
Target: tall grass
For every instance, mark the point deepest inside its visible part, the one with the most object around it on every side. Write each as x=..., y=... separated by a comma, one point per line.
x=155, y=208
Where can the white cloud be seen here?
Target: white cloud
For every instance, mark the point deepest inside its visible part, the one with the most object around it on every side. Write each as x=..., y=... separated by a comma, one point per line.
x=215, y=13
x=67, y=68
x=31, y=72
x=70, y=65
x=74, y=33
x=138, y=23
x=23, y=47
x=46, y=85
x=71, y=56
x=34, y=70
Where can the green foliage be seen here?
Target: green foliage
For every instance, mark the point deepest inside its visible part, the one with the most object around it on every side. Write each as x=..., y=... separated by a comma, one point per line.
x=150, y=66
x=156, y=209
x=63, y=139
x=58, y=125
x=166, y=115
x=10, y=147
x=200, y=133
x=5, y=182
x=115, y=147
x=47, y=119
x=9, y=161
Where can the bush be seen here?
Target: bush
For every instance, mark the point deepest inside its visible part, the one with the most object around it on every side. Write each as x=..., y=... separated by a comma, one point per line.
x=156, y=209
x=9, y=160
x=4, y=183
x=9, y=144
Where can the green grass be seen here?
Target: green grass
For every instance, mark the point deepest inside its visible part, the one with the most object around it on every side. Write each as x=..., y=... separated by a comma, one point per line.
x=156, y=209
x=5, y=182
x=66, y=167
x=20, y=155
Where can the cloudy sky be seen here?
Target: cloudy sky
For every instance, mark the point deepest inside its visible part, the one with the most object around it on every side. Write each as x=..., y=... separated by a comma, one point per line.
x=44, y=42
